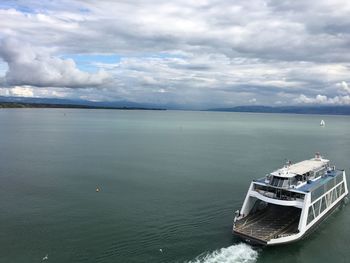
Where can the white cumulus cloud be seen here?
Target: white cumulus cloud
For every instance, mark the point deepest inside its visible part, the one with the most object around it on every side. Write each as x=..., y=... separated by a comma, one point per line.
x=35, y=67
x=322, y=99
x=344, y=87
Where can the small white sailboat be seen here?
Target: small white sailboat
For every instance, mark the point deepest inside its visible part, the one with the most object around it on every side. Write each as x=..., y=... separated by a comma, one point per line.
x=322, y=123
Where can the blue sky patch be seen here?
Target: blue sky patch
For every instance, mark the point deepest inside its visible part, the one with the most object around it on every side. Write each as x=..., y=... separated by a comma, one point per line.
x=87, y=62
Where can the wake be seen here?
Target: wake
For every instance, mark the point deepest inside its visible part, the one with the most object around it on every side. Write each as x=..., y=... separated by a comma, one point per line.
x=240, y=253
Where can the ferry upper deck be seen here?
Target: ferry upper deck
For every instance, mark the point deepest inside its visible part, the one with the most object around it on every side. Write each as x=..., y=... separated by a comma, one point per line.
x=302, y=177
x=332, y=176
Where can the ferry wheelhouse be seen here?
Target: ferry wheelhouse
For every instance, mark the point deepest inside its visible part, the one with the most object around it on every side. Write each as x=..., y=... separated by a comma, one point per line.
x=289, y=202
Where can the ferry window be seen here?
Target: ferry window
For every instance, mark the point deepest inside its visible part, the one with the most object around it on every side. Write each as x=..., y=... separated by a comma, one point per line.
x=329, y=185
x=293, y=181
x=342, y=189
x=263, y=188
x=317, y=193
x=297, y=195
x=259, y=187
x=317, y=207
x=338, y=190
x=323, y=204
x=280, y=183
x=310, y=215
x=320, y=172
x=275, y=181
x=339, y=178
x=334, y=197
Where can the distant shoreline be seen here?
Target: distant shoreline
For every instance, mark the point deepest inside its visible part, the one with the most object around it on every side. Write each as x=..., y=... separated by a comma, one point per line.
x=20, y=105
x=322, y=110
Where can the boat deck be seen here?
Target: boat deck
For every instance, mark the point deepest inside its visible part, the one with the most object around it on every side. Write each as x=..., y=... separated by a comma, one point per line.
x=311, y=185
x=268, y=223
x=321, y=181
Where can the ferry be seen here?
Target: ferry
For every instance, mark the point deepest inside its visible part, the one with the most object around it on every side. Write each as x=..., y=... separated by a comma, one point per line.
x=289, y=203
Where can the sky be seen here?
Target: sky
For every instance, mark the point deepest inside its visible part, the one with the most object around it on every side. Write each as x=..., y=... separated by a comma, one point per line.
x=181, y=53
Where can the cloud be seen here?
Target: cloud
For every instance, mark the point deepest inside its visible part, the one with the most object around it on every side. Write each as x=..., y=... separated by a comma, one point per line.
x=28, y=66
x=22, y=91
x=344, y=87
x=17, y=91
x=323, y=100
x=254, y=28
x=191, y=53
x=30, y=91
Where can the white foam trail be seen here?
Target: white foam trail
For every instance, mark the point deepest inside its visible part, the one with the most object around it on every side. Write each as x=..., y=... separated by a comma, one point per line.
x=240, y=253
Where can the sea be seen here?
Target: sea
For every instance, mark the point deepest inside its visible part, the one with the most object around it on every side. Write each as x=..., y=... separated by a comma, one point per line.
x=81, y=185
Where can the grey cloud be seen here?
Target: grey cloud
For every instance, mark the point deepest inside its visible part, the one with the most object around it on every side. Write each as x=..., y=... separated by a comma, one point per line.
x=27, y=66
x=252, y=29
x=231, y=51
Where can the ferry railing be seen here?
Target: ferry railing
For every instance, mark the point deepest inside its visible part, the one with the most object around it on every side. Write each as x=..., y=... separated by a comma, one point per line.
x=275, y=196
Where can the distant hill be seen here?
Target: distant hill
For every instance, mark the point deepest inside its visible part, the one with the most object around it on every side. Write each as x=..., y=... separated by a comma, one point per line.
x=331, y=110
x=24, y=102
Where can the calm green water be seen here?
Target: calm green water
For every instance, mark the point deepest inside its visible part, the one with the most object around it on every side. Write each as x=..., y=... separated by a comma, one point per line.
x=168, y=180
